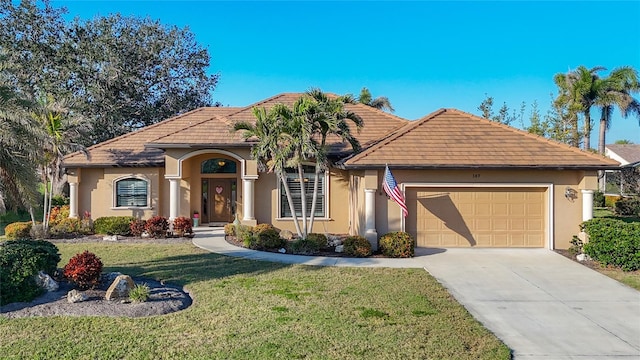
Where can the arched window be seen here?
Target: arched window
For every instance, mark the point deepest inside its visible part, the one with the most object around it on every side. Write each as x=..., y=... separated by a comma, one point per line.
x=218, y=166
x=132, y=192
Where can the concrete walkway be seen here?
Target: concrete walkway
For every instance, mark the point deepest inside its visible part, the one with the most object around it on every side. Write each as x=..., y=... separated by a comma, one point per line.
x=542, y=305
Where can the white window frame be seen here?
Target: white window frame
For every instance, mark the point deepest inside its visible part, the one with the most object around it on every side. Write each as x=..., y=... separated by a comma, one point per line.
x=325, y=202
x=114, y=204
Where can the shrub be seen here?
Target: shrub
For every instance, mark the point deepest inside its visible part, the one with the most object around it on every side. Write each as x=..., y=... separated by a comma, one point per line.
x=65, y=227
x=397, y=244
x=59, y=200
x=319, y=239
x=613, y=242
x=58, y=214
x=269, y=239
x=18, y=230
x=357, y=246
x=137, y=227
x=84, y=270
x=261, y=228
x=157, y=226
x=113, y=225
x=139, y=293
x=245, y=235
x=576, y=246
x=598, y=199
x=182, y=225
x=628, y=206
x=20, y=261
x=610, y=200
x=303, y=247
x=230, y=229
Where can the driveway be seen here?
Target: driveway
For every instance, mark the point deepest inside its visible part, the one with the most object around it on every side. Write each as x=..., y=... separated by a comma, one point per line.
x=541, y=304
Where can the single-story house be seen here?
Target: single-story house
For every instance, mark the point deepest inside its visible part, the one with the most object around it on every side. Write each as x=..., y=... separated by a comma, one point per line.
x=467, y=181
x=628, y=155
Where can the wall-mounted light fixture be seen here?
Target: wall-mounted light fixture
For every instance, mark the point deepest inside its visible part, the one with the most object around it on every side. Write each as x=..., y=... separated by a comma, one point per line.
x=570, y=194
x=221, y=163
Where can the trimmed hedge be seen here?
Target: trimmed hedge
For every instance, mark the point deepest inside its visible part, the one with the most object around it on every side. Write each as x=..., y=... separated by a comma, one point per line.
x=629, y=206
x=20, y=261
x=613, y=242
x=397, y=244
x=357, y=246
x=303, y=247
x=113, y=225
x=319, y=239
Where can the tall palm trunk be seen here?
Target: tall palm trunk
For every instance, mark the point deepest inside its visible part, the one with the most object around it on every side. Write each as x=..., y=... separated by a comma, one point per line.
x=587, y=130
x=290, y=201
x=602, y=141
x=303, y=200
x=315, y=198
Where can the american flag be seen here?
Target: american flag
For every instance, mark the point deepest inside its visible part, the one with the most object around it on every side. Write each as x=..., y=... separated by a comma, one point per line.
x=390, y=186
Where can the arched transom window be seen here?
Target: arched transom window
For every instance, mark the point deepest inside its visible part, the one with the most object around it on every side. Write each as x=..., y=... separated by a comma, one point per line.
x=218, y=166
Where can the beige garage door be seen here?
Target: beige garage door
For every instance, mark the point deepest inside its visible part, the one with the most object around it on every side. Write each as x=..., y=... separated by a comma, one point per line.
x=483, y=217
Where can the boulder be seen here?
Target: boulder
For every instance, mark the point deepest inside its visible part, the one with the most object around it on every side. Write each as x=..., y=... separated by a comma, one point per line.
x=109, y=277
x=340, y=248
x=46, y=282
x=286, y=234
x=282, y=250
x=583, y=257
x=120, y=287
x=75, y=296
x=110, y=238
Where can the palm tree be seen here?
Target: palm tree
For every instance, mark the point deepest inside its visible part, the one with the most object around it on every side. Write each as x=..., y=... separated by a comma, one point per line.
x=63, y=130
x=380, y=103
x=18, y=177
x=331, y=120
x=579, y=91
x=618, y=92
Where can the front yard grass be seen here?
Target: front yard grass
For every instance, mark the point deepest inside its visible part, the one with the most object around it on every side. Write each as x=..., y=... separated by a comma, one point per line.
x=259, y=310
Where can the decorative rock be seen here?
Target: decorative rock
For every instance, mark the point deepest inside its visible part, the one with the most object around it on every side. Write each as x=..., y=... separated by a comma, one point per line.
x=46, y=282
x=340, y=248
x=109, y=277
x=583, y=257
x=120, y=287
x=286, y=234
x=75, y=296
x=282, y=250
x=110, y=238
x=334, y=240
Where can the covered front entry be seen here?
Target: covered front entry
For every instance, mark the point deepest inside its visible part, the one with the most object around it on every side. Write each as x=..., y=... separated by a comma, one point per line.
x=478, y=216
x=218, y=200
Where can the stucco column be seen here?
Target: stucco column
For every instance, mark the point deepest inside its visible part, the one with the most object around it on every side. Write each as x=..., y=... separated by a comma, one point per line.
x=73, y=199
x=370, y=218
x=248, y=202
x=587, y=205
x=174, y=199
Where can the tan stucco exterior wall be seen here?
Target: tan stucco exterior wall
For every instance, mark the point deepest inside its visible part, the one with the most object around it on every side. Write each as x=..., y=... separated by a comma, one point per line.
x=266, y=204
x=96, y=192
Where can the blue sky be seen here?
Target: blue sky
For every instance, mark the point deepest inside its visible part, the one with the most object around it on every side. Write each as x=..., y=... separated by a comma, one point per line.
x=422, y=55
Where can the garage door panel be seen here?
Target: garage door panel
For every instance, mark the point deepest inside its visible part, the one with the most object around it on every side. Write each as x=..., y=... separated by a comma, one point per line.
x=483, y=217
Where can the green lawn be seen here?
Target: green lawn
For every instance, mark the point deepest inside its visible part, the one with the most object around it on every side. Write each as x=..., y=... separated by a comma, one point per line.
x=258, y=310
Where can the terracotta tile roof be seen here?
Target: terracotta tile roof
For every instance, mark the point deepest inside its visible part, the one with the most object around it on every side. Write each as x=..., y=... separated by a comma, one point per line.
x=628, y=152
x=130, y=150
x=216, y=131
x=450, y=138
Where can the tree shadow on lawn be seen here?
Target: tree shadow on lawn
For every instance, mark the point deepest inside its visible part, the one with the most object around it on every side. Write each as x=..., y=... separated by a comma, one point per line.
x=184, y=269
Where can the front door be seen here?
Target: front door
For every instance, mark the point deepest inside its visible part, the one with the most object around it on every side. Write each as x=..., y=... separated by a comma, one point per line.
x=217, y=200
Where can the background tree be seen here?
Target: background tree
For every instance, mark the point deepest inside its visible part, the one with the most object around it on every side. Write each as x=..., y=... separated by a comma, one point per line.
x=380, y=103
x=579, y=90
x=623, y=142
x=504, y=115
x=122, y=73
x=617, y=91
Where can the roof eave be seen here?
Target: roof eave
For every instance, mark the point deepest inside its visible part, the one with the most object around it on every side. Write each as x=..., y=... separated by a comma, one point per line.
x=479, y=167
x=194, y=146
